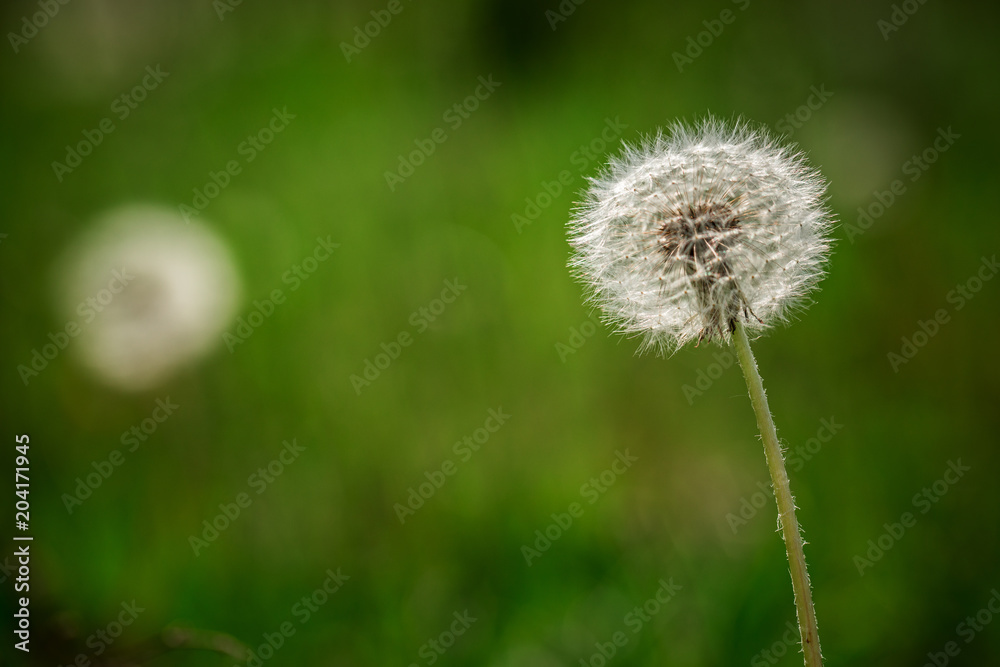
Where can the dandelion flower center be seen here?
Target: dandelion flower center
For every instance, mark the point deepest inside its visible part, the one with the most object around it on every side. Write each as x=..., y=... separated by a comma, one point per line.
x=698, y=237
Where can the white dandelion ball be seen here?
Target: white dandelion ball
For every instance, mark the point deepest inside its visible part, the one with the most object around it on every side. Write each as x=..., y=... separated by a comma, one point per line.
x=150, y=294
x=682, y=237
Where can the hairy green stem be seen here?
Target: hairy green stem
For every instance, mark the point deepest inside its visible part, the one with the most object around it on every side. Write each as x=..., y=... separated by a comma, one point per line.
x=783, y=495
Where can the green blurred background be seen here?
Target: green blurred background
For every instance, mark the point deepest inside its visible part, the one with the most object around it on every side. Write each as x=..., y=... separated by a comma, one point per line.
x=504, y=341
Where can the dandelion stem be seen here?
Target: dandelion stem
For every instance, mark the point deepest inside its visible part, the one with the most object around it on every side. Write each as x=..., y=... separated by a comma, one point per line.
x=786, y=505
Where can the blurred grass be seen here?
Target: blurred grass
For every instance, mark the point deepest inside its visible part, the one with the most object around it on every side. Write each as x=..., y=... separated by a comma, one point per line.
x=495, y=346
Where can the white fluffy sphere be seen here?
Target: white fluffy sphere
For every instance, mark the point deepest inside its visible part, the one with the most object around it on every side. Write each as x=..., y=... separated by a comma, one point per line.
x=150, y=293
x=688, y=233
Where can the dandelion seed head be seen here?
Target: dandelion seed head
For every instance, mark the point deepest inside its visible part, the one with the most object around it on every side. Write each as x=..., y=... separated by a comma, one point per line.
x=150, y=293
x=689, y=232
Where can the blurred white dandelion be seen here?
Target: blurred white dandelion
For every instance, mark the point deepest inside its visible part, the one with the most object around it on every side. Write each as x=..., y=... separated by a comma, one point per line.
x=150, y=293
x=687, y=233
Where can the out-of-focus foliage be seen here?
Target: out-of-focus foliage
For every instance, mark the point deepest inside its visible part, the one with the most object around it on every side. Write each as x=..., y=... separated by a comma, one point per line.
x=481, y=219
